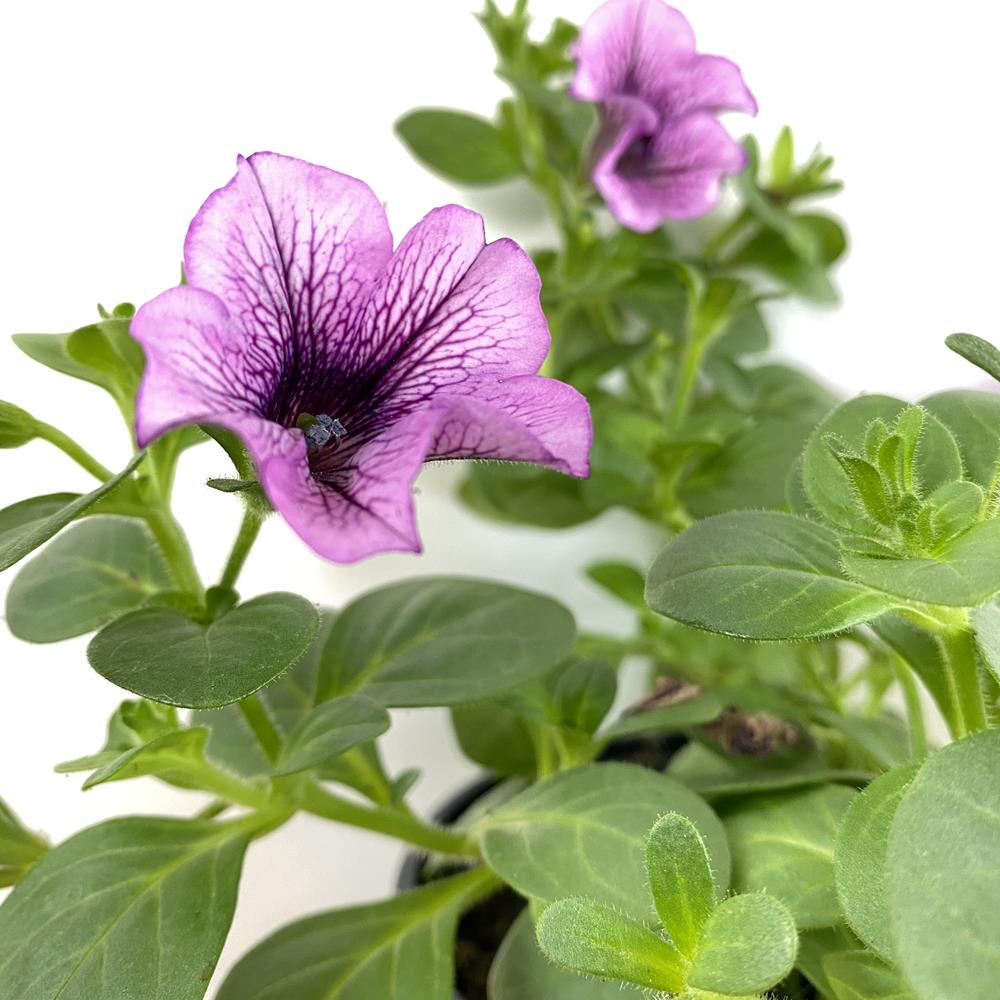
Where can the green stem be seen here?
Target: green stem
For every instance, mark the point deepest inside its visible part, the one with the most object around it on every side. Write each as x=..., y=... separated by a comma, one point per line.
x=249, y=529
x=385, y=820
x=253, y=711
x=959, y=645
x=914, y=709
x=79, y=454
x=176, y=549
x=714, y=247
x=687, y=379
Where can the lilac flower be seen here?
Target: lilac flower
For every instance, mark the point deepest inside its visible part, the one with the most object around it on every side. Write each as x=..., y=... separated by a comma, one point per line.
x=660, y=152
x=342, y=365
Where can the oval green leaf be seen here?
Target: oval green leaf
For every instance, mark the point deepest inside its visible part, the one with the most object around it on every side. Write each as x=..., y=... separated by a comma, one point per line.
x=583, y=833
x=759, y=575
x=594, y=939
x=944, y=873
x=462, y=147
x=398, y=948
x=963, y=574
x=330, y=729
x=749, y=945
x=680, y=879
x=442, y=641
x=163, y=655
x=26, y=525
x=860, y=858
x=87, y=577
x=136, y=907
x=784, y=845
x=521, y=972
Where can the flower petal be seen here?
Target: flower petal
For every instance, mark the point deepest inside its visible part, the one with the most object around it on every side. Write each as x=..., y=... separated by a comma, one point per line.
x=628, y=47
x=449, y=308
x=368, y=506
x=645, y=49
x=679, y=177
x=199, y=364
x=367, y=509
x=293, y=250
x=523, y=419
x=704, y=83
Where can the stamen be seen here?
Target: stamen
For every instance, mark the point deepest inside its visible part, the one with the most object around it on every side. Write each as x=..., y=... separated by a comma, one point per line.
x=320, y=430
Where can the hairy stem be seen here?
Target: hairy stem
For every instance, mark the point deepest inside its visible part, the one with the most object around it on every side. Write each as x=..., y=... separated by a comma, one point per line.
x=80, y=455
x=687, y=379
x=175, y=547
x=255, y=714
x=914, y=709
x=391, y=822
x=249, y=529
x=959, y=646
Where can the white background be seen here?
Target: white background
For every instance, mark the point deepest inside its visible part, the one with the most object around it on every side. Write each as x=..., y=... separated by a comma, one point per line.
x=119, y=118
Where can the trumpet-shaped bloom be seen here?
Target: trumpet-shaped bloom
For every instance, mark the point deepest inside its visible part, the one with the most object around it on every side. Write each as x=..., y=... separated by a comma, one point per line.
x=660, y=151
x=343, y=366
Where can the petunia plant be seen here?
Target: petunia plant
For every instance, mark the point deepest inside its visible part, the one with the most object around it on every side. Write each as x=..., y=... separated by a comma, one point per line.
x=809, y=815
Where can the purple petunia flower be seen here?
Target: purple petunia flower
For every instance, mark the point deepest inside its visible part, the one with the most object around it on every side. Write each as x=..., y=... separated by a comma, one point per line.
x=343, y=365
x=660, y=152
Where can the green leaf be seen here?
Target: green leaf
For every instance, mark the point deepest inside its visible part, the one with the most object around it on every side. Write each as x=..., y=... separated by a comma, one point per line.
x=963, y=573
x=96, y=571
x=979, y=352
x=773, y=253
x=525, y=495
x=937, y=459
x=108, y=348
x=329, y=730
x=495, y=736
x=462, y=147
x=944, y=873
x=582, y=833
x=680, y=879
x=161, y=654
x=860, y=857
x=923, y=654
x=286, y=702
x=583, y=694
x=19, y=847
x=50, y=349
x=386, y=949
x=973, y=417
x=752, y=466
x=621, y=580
x=442, y=641
x=597, y=940
x=26, y=525
x=172, y=757
x=17, y=426
x=784, y=845
x=749, y=945
x=883, y=738
x=986, y=627
x=814, y=948
x=858, y=975
x=136, y=907
x=694, y=711
x=521, y=972
x=760, y=575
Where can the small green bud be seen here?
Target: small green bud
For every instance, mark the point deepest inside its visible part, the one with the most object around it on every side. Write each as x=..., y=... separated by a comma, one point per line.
x=17, y=426
x=867, y=482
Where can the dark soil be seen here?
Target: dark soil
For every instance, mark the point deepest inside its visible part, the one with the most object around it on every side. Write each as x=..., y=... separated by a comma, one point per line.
x=483, y=927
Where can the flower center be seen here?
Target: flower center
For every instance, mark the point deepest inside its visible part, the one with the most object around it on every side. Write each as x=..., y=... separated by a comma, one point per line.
x=321, y=430
x=635, y=159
